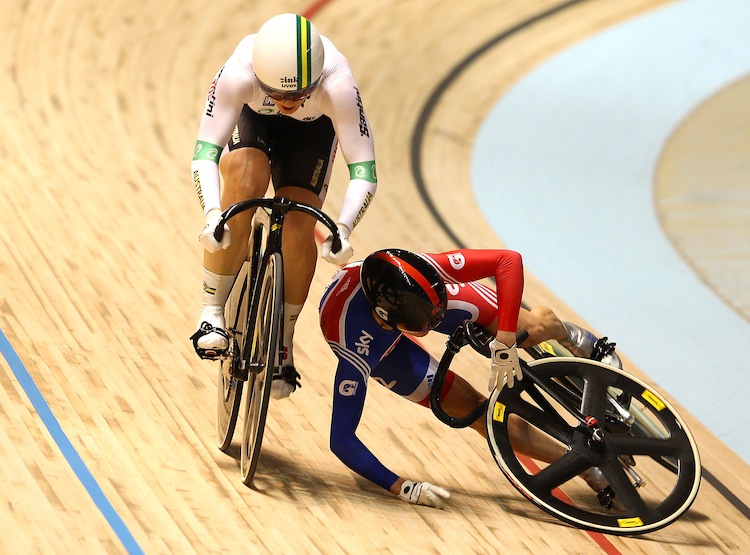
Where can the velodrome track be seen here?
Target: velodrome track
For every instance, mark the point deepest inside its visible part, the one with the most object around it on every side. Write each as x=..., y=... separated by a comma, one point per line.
x=107, y=433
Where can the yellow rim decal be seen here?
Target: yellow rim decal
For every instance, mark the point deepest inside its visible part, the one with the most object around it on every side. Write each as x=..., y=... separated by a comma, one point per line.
x=629, y=522
x=498, y=413
x=653, y=400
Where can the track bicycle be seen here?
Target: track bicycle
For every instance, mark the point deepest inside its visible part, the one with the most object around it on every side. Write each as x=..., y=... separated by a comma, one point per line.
x=605, y=418
x=255, y=319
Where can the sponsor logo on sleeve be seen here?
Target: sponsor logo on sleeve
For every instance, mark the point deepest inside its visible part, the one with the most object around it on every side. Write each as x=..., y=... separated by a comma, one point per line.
x=457, y=260
x=363, y=128
x=211, y=96
x=348, y=388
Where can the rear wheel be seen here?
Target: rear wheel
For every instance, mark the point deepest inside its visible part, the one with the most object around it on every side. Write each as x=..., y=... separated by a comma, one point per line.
x=639, y=435
x=264, y=353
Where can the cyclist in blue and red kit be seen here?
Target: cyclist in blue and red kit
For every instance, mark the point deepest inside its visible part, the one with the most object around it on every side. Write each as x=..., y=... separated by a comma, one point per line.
x=374, y=307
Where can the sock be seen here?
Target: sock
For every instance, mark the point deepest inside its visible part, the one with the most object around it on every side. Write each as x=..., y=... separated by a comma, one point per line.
x=216, y=288
x=291, y=313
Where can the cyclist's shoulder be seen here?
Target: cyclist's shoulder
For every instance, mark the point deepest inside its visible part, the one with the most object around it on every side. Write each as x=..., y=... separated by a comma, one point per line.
x=337, y=77
x=338, y=295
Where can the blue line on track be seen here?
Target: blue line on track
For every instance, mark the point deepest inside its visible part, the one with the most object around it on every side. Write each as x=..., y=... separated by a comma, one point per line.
x=66, y=447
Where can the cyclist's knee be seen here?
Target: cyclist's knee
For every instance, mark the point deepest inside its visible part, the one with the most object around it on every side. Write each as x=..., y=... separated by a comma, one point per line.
x=299, y=232
x=541, y=323
x=246, y=174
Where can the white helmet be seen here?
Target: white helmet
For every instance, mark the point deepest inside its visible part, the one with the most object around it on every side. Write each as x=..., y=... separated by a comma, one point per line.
x=288, y=55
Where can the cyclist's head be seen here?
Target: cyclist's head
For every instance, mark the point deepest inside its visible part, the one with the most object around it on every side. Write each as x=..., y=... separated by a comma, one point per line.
x=288, y=57
x=404, y=289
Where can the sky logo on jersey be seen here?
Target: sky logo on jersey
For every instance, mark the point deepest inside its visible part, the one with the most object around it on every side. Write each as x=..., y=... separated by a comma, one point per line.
x=348, y=388
x=363, y=344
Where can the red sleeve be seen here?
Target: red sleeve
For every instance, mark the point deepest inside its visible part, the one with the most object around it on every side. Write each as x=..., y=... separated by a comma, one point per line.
x=506, y=266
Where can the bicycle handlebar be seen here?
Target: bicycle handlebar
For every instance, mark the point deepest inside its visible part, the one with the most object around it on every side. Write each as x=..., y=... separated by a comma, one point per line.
x=284, y=205
x=479, y=340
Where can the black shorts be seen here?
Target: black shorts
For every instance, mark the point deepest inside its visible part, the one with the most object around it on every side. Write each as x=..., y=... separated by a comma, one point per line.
x=301, y=152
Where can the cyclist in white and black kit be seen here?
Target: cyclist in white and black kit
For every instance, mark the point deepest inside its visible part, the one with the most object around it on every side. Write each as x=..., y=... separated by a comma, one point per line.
x=277, y=111
x=372, y=309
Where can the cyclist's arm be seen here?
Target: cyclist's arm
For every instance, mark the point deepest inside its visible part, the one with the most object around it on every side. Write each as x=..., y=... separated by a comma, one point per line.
x=505, y=266
x=342, y=102
x=221, y=111
x=350, y=389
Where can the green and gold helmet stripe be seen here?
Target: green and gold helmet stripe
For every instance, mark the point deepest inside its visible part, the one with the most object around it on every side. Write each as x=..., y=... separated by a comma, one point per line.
x=304, y=63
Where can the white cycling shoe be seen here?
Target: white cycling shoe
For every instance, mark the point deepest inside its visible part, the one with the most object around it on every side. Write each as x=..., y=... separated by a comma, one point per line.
x=285, y=382
x=211, y=339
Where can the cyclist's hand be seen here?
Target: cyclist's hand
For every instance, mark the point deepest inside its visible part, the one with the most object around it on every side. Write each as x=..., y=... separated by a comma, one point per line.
x=423, y=493
x=207, y=238
x=505, y=366
x=342, y=257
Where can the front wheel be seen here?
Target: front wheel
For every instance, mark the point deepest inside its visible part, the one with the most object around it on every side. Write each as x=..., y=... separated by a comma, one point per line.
x=647, y=494
x=229, y=386
x=264, y=356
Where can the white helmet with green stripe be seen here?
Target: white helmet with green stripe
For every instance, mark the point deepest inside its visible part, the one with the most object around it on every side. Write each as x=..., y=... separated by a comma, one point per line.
x=288, y=54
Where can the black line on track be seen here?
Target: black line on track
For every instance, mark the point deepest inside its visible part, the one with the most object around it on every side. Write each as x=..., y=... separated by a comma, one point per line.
x=432, y=101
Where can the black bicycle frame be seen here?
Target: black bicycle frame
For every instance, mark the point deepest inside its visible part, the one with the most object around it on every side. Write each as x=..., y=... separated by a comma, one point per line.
x=472, y=334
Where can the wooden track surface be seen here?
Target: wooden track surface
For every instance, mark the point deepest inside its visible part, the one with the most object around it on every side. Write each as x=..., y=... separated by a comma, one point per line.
x=100, y=272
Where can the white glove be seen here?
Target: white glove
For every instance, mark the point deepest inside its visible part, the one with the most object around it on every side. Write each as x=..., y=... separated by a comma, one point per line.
x=504, y=365
x=423, y=493
x=342, y=257
x=207, y=238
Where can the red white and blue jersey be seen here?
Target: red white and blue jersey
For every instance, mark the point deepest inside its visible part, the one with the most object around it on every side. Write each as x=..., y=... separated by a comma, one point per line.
x=366, y=350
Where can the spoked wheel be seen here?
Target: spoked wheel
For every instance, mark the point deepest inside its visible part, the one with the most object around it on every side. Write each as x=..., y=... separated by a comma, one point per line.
x=634, y=431
x=264, y=355
x=229, y=387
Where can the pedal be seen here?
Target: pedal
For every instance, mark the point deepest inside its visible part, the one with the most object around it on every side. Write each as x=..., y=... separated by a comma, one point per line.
x=602, y=348
x=606, y=497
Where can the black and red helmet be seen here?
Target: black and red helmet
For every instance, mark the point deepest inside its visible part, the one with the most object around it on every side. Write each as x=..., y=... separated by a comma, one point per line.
x=404, y=289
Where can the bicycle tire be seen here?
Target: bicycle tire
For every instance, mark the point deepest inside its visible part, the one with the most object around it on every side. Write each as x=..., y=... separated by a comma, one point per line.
x=229, y=387
x=233, y=368
x=264, y=355
x=553, y=487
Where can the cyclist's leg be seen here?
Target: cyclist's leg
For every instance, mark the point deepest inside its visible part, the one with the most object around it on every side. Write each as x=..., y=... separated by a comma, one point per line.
x=301, y=159
x=246, y=173
x=543, y=325
x=299, y=246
